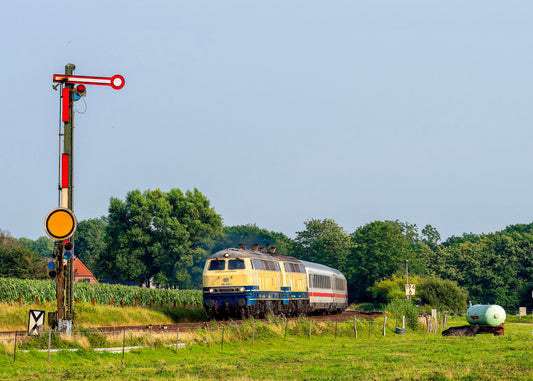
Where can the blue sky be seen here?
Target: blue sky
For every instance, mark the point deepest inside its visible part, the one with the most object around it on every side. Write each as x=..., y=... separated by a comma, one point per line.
x=277, y=111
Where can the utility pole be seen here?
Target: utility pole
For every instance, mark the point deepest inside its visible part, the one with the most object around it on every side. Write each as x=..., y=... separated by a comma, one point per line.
x=408, y=295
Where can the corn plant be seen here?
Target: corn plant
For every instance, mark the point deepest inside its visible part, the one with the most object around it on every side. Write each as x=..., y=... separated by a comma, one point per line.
x=11, y=288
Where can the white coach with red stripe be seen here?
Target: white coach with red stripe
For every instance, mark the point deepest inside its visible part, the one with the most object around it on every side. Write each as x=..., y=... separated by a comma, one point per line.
x=327, y=288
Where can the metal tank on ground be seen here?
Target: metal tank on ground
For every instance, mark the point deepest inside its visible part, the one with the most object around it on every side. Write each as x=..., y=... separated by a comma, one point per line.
x=491, y=314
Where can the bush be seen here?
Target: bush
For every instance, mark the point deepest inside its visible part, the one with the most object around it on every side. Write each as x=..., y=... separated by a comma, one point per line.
x=443, y=294
x=403, y=307
x=436, y=292
x=389, y=289
x=366, y=307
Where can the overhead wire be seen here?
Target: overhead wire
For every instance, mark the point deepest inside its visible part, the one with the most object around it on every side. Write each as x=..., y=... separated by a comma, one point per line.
x=85, y=104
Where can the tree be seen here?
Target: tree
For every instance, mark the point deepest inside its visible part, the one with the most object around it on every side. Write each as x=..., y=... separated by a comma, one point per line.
x=325, y=242
x=493, y=268
x=43, y=245
x=379, y=249
x=250, y=235
x=159, y=237
x=17, y=261
x=431, y=236
x=89, y=243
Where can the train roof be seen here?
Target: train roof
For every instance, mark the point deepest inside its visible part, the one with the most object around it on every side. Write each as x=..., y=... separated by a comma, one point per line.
x=318, y=266
x=247, y=253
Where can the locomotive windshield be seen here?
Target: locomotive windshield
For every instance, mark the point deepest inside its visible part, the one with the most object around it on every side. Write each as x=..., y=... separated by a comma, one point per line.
x=235, y=264
x=217, y=264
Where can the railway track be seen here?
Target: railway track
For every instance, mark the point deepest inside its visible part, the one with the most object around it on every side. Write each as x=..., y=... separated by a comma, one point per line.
x=173, y=327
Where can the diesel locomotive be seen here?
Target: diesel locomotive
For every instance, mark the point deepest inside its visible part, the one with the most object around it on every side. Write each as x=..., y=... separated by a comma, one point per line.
x=251, y=282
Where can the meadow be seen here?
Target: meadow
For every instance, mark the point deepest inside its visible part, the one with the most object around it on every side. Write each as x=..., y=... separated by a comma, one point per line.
x=275, y=350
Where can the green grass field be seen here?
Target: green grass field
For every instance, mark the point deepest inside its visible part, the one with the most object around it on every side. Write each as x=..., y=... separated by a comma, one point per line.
x=15, y=317
x=277, y=355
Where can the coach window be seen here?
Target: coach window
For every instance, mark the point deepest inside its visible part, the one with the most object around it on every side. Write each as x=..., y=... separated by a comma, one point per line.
x=217, y=264
x=235, y=264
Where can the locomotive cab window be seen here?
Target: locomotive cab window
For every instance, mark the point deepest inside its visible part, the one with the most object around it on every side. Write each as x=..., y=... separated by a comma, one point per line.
x=217, y=264
x=236, y=264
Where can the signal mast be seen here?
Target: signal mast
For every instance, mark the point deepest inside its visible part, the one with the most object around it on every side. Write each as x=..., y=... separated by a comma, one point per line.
x=60, y=224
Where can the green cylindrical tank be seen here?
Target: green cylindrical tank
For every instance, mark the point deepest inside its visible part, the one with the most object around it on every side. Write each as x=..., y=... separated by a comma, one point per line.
x=490, y=314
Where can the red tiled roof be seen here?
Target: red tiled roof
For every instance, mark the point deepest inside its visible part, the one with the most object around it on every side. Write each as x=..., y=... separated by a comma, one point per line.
x=80, y=270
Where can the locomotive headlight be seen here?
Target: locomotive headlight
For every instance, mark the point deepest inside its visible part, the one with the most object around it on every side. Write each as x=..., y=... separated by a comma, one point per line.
x=211, y=290
x=241, y=289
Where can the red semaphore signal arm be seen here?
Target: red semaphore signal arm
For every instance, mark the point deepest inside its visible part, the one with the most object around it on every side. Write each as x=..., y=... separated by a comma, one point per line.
x=116, y=81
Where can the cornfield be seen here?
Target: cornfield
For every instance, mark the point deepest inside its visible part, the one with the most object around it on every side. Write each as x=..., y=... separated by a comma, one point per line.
x=29, y=290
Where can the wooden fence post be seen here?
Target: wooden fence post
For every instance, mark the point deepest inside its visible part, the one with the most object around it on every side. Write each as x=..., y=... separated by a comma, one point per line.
x=355, y=326
x=49, y=343
x=136, y=302
x=123, y=342
x=150, y=303
x=253, y=333
x=177, y=339
x=112, y=302
x=20, y=300
x=384, y=325
x=94, y=302
x=37, y=300
x=15, y=349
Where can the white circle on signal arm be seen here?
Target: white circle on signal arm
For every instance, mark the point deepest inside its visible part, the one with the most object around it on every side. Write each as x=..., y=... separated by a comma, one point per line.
x=117, y=81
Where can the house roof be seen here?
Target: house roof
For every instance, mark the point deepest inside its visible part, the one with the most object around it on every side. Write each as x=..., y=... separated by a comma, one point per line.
x=80, y=269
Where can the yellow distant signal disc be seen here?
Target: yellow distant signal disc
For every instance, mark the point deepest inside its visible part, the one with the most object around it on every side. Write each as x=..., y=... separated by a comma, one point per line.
x=60, y=223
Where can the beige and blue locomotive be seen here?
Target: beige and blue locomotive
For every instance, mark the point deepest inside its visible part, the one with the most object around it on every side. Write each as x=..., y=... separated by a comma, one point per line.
x=242, y=282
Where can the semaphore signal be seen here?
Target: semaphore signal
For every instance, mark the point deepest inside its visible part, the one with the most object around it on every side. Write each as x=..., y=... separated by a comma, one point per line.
x=117, y=81
x=60, y=223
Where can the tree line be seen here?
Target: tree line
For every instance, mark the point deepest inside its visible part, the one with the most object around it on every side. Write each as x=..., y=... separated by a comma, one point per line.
x=164, y=238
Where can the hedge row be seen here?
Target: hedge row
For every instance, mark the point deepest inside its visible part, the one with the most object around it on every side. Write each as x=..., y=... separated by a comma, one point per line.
x=29, y=290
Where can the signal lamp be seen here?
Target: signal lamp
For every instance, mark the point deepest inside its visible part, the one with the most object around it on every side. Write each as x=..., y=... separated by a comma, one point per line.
x=67, y=250
x=79, y=92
